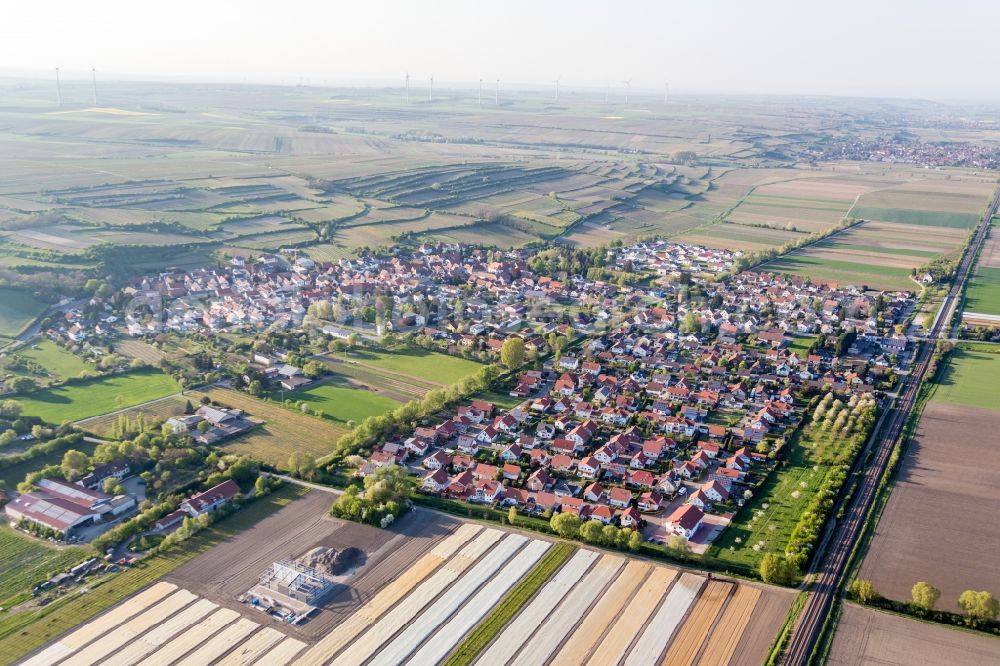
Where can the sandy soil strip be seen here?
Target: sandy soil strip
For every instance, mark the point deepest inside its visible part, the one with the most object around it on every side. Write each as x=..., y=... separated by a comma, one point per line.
x=404, y=612
x=386, y=598
x=88, y=632
x=766, y=619
x=444, y=641
x=159, y=635
x=687, y=643
x=249, y=651
x=221, y=643
x=664, y=623
x=536, y=612
x=722, y=643
x=551, y=634
x=283, y=653
x=632, y=619
x=438, y=613
x=589, y=632
x=126, y=633
x=191, y=638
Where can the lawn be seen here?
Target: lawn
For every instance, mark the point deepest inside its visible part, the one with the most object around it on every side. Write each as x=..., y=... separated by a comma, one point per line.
x=970, y=378
x=17, y=310
x=15, y=474
x=92, y=397
x=801, y=344
x=775, y=508
x=983, y=293
x=344, y=403
x=432, y=366
x=56, y=360
x=24, y=632
x=25, y=561
x=930, y=218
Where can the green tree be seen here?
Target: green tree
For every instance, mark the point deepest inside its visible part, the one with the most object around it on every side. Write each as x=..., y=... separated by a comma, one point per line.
x=10, y=409
x=679, y=544
x=592, y=531
x=863, y=590
x=512, y=352
x=979, y=606
x=634, y=541
x=204, y=426
x=74, y=463
x=925, y=595
x=302, y=465
x=22, y=384
x=512, y=515
x=388, y=484
x=566, y=525
x=777, y=570
x=260, y=487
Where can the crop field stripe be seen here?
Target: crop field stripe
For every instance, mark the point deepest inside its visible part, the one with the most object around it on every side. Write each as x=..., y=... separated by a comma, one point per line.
x=438, y=646
x=283, y=652
x=632, y=619
x=124, y=634
x=692, y=635
x=247, y=652
x=88, y=632
x=664, y=623
x=191, y=638
x=538, y=610
x=389, y=596
x=729, y=629
x=602, y=615
x=551, y=633
x=404, y=644
x=157, y=636
x=219, y=644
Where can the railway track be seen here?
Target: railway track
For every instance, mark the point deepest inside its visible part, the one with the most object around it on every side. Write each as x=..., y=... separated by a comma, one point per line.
x=878, y=451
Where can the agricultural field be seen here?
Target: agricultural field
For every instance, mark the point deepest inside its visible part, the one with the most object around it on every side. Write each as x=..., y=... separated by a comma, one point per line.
x=982, y=295
x=344, y=401
x=25, y=561
x=440, y=369
x=154, y=410
x=943, y=505
x=57, y=364
x=29, y=629
x=475, y=596
x=284, y=432
x=940, y=203
x=868, y=636
x=92, y=397
x=17, y=310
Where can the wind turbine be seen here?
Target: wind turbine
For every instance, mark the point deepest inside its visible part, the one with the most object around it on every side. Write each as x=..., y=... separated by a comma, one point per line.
x=407, y=94
x=557, y=87
x=430, y=91
x=628, y=89
x=93, y=74
x=58, y=89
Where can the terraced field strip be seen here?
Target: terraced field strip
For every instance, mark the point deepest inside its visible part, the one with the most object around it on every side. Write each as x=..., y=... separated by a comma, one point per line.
x=438, y=613
x=71, y=643
x=389, y=597
x=157, y=636
x=550, y=634
x=540, y=608
x=221, y=643
x=255, y=647
x=283, y=653
x=600, y=617
x=722, y=643
x=632, y=619
x=689, y=639
x=664, y=623
x=191, y=638
x=445, y=640
x=124, y=634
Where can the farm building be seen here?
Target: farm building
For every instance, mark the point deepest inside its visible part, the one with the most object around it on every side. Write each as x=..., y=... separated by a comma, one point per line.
x=211, y=499
x=64, y=506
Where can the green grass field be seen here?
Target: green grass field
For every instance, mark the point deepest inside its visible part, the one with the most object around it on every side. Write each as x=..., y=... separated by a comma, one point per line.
x=17, y=310
x=97, y=396
x=843, y=272
x=344, y=403
x=983, y=293
x=21, y=633
x=56, y=360
x=931, y=218
x=432, y=366
x=25, y=561
x=801, y=343
x=970, y=379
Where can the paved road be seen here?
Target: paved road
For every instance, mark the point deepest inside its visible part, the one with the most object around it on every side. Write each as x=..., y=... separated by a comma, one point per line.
x=833, y=565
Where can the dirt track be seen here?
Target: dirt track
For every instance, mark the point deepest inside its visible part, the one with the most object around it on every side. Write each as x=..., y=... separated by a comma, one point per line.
x=233, y=567
x=939, y=525
x=866, y=636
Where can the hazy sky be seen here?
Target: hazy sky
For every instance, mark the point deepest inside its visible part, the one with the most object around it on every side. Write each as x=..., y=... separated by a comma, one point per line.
x=922, y=48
